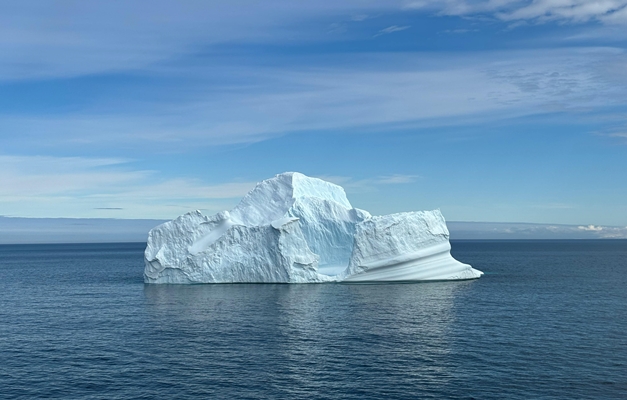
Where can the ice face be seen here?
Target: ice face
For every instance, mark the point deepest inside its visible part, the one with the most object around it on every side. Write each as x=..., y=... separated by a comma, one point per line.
x=411, y=246
x=297, y=229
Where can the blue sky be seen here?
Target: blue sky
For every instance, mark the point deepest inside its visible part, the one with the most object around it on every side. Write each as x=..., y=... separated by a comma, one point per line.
x=498, y=110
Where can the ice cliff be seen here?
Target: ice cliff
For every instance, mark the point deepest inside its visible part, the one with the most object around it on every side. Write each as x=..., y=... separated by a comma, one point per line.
x=297, y=229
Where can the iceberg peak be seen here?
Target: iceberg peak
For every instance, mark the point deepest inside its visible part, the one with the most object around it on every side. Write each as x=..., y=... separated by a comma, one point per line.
x=298, y=229
x=271, y=199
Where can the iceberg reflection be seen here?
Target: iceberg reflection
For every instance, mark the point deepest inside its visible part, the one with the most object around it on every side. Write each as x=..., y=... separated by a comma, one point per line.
x=313, y=334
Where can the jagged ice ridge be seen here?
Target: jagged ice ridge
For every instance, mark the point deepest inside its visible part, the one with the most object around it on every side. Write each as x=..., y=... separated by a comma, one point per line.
x=297, y=229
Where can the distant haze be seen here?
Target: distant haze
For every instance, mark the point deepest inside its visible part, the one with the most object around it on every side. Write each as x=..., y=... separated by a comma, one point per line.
x=101, y=230
x=507, y=230
x=74, y=230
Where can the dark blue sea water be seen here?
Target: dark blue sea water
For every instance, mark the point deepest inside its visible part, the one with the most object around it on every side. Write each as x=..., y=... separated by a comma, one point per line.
x=548, y=320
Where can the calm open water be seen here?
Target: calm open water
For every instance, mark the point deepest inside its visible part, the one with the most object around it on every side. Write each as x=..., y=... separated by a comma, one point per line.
x=547, y=320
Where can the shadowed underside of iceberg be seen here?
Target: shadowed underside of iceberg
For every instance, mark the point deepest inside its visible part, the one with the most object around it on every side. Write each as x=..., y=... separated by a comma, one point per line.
x=297, y=229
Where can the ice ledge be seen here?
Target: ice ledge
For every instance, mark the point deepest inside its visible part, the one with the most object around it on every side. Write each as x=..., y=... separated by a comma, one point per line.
x=279, y=223
x=431, y=263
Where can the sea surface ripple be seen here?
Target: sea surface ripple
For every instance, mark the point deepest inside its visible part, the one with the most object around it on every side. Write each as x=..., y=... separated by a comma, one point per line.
x=548, y=320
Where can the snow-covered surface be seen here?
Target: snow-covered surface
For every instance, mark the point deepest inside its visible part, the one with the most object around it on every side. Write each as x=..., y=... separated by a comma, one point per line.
x=297, y=229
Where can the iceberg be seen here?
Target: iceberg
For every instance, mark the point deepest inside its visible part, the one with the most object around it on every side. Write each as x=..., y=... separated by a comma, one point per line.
x=296, y=229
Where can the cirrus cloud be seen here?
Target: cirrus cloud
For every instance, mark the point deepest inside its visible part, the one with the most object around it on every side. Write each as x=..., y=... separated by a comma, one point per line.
x=536, y=11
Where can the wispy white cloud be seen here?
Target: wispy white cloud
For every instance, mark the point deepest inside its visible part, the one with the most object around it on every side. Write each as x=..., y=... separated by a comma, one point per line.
x=359, y=17
x=31, y=176
x=618, y=134
x=536, y=11
x=569, y=10
x=617, y=17
x=462, y=7
x=391, y=29
x=75, y=187
x=261, y=102
x=371, y=89
x=56, y=164
x=43, y=39
x=353, y=185
x=459, y=31
x=396, y=179
x=338, y=180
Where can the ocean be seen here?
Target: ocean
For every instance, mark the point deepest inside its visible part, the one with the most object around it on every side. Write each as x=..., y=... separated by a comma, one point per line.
x=548, y=320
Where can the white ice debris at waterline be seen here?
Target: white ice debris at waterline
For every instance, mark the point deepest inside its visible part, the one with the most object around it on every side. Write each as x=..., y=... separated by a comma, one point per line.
x=297, y=229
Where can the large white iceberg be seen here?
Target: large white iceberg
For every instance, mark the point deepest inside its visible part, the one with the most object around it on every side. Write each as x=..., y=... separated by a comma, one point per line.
x=297, y=229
